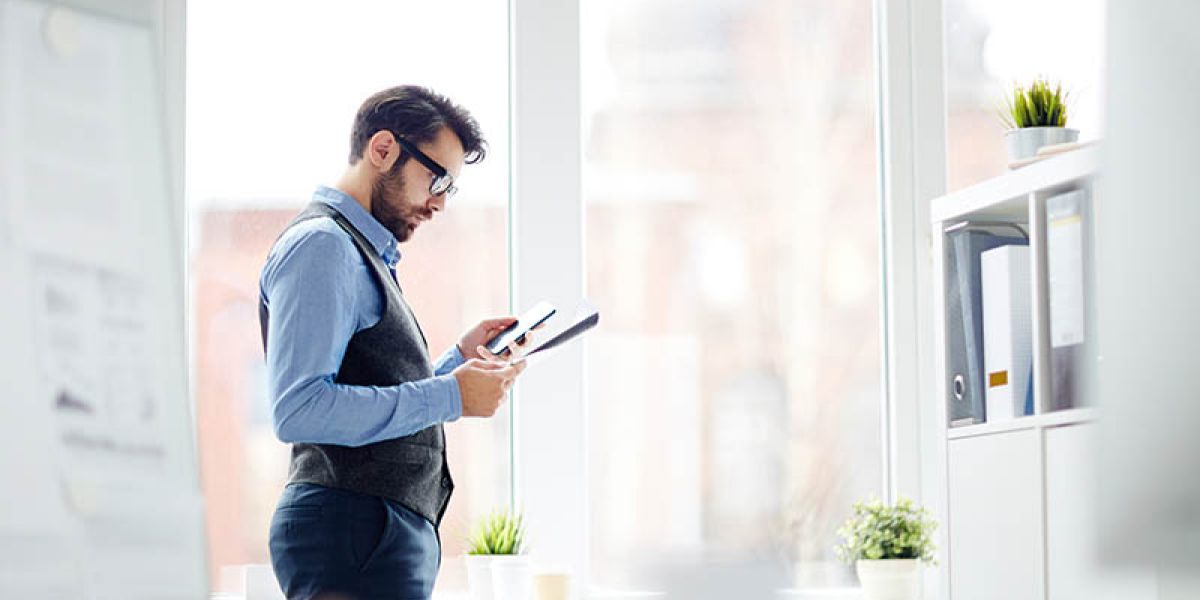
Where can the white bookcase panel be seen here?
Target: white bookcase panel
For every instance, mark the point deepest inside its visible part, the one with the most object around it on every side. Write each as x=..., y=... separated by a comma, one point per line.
x=1070, y=513
x=995, y=504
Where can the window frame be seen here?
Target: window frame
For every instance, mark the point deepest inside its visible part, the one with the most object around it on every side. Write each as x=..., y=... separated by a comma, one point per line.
x=549, y=432
x=910, y=68
x=549, y=452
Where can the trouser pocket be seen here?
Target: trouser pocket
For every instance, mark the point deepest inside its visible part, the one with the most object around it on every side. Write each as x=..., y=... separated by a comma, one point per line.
x=371, y=534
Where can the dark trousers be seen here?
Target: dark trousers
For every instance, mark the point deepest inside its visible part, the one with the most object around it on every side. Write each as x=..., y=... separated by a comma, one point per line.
x=332, y=544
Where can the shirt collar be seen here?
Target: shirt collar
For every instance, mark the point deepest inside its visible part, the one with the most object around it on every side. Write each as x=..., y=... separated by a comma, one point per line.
x=380, y=238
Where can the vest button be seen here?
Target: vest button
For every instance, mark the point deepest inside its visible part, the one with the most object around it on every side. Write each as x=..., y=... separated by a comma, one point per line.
x=445, y=481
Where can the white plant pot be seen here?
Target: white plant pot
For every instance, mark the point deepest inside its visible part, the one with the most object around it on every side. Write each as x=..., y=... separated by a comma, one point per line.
x=479, y=576
x=512, y=578
x=889, y=579
x=1024, y=142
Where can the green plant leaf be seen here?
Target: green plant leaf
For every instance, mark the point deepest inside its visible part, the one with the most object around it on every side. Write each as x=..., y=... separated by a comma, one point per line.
x=502, y=532
x=876, y=531
x=1039, y=105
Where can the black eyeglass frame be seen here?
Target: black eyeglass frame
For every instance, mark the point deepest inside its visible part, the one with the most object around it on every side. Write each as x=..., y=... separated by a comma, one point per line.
x=443, y=181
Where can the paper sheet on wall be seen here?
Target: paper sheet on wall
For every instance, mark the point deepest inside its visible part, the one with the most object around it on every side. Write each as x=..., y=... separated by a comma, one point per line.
x=95, y=417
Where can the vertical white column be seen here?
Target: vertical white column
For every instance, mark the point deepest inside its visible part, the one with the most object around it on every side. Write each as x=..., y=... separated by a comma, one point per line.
x=912, y=142
x=913, y=164
x=550, y=429
x=170, y=18
x=1040, y=306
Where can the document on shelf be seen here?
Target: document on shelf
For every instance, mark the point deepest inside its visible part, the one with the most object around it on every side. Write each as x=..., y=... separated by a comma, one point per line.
x=1065, y=268
x=559, y=330
x=966, y=378
x=1007, y=330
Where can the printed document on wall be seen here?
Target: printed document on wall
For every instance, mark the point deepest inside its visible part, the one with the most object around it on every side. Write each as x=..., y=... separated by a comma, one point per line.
x=95, y=408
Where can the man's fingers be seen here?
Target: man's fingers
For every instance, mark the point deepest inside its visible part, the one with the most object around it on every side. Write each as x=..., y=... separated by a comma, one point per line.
x=489, y=366
x=497, y=323
x=513, y=369
x=488, y=356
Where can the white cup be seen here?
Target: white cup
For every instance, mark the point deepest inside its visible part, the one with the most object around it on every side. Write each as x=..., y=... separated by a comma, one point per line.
x=551, y=586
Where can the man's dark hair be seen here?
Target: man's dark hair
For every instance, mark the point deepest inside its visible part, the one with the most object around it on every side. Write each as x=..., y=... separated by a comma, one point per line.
x=415, y=113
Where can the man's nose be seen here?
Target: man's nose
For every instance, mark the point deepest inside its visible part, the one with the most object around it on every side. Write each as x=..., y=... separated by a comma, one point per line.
x=437, y=203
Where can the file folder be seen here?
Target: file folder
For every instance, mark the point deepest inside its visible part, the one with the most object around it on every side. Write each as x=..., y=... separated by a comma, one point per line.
x=1067, y=250
x=964, y=316
x=1007, y=330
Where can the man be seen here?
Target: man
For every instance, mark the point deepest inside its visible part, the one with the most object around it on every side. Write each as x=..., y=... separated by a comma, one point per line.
x=351, y=381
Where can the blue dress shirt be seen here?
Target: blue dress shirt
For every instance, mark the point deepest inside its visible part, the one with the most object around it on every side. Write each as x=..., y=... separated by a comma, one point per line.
x=320, y=292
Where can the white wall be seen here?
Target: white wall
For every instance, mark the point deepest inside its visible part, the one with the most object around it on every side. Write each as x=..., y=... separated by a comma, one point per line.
x=1148, y=288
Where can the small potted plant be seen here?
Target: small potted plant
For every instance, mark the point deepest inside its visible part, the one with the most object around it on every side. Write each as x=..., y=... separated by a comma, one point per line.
x=497, y=568
x=1036, y=116
x=887, y=544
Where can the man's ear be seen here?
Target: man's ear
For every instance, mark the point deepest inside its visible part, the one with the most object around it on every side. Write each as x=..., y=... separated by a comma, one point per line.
x=382, y=150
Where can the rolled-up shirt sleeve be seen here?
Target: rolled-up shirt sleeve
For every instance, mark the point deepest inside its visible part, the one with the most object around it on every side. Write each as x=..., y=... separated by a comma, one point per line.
x=309, y=288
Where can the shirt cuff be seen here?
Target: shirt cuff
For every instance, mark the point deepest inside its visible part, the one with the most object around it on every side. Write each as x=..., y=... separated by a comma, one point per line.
x=450, y=360
x=445, y=399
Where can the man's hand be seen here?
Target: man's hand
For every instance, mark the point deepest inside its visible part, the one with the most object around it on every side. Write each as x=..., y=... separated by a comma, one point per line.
x=484, y=383
x=471, y=345
x=482, y=334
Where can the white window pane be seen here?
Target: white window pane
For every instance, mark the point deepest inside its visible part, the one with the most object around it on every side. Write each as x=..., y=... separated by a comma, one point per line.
x=272, y=92
x=733, y=245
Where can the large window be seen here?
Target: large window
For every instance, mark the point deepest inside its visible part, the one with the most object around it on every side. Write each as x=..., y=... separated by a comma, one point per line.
x=732, y=240
x=272, y=90
x=992, y=45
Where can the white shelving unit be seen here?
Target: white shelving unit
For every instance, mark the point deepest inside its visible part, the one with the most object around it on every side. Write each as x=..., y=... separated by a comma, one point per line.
x=1056, y=418
x=995, y=485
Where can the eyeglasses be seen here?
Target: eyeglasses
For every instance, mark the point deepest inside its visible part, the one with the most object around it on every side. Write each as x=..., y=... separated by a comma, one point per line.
x=442, y=182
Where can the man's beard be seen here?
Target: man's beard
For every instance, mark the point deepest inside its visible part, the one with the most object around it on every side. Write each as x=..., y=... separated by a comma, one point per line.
x=388, y=206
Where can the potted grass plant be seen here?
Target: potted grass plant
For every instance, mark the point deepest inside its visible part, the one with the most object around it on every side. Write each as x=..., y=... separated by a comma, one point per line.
x=887, y=545
x=1036, y=116
x=497, y=568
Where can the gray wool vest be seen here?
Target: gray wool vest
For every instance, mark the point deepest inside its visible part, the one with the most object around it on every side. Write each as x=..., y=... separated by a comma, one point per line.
x=411, y=470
